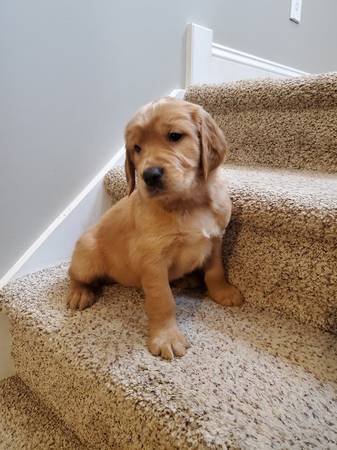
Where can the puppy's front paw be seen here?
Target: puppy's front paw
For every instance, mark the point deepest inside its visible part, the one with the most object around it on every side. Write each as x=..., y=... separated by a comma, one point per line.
x=80, y=297
x=167, y=343
x=227, y=295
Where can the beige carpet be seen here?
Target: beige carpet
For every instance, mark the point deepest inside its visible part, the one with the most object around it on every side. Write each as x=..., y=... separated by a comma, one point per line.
x=289, y=123
x=26, y=424
x=251, y=380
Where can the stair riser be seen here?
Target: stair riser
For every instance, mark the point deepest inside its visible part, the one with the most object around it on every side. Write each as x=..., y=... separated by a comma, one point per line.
x=129, y=425
x=284, y=272
x=25, y=423
x=292, y=140
x=286, y=124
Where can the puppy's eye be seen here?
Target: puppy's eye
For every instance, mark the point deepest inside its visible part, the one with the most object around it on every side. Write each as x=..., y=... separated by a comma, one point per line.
x=175, y=137
x=137, y=148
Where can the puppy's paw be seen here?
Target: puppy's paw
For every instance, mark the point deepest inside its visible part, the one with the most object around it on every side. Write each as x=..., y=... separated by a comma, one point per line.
x=80, y=297
x=167, y=343
x=227, y=295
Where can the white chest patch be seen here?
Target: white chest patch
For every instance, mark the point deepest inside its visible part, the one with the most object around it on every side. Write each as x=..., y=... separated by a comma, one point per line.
x=192, y=244
x=203, y=223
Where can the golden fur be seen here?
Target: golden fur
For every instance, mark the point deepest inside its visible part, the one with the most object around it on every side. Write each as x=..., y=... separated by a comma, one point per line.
x=155, y=235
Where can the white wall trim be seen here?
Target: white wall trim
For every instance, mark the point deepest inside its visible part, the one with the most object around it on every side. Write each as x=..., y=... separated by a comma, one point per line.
x=198, y=53
x=227, y=53
x=178, y=93
x=202, y=53
x=79, y=214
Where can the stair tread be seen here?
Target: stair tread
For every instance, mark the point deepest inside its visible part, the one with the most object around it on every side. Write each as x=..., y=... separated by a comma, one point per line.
x=252, y=379
x=26, y=424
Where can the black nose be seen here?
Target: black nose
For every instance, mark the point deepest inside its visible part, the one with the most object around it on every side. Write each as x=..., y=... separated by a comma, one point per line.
x=152, y=176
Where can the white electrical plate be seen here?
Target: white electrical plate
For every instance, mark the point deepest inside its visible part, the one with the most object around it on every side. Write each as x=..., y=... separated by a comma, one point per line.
x=295, y=10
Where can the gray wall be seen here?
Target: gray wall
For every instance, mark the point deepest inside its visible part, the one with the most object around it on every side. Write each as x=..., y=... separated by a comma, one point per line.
x=72, y=72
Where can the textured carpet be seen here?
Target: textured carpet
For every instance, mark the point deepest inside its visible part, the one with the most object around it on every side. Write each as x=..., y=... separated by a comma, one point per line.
x=281, y=245
x=251, y=380
x=289, y=123
x=26, y=424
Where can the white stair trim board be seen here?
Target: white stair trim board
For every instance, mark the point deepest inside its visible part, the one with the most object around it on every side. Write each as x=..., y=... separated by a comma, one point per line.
x=230, y=54
x=209, y=62
x=178, y=93
x=82, y=211
x=198, y=53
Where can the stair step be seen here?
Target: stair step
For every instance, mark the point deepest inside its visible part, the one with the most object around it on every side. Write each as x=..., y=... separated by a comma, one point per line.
x=26, y=424
x=252, y=379
x=288, y=123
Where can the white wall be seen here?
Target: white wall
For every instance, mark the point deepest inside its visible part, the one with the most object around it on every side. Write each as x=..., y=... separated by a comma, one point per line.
x=72, y=72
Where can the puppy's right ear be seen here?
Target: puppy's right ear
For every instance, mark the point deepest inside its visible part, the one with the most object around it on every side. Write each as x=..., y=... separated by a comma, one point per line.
x=130, y=172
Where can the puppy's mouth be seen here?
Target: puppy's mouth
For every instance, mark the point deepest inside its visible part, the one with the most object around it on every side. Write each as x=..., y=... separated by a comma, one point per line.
x=155, y=190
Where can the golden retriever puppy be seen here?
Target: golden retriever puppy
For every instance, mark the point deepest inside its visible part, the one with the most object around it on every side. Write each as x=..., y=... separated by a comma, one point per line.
x=170, y=224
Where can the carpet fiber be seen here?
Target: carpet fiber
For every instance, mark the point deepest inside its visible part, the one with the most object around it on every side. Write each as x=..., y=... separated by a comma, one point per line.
x=251, y=380
x=289, y=123
x=26, y=424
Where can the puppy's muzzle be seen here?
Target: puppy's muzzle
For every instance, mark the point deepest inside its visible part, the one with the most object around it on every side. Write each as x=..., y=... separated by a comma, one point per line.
x=153, y=177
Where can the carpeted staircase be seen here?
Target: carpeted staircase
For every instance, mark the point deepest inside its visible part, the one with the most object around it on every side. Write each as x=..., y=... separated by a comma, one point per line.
x=259, y=377
x=25, y=423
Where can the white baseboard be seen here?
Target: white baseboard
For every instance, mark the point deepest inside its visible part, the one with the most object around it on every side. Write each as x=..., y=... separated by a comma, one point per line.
x=209, y=62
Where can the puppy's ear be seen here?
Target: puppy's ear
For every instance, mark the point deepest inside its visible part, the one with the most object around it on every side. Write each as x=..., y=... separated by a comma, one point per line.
x=130, y=173
x=213, y=145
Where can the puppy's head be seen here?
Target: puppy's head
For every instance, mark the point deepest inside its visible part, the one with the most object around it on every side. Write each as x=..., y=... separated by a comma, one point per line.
x=172, y=146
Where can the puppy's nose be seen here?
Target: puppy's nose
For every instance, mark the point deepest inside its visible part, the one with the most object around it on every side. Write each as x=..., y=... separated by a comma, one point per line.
x=152, y=176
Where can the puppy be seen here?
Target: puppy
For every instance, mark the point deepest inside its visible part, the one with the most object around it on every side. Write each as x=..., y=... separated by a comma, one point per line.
x=170, y=224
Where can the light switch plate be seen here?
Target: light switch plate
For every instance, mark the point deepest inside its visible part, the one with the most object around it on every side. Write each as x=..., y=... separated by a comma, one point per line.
x=295, y=10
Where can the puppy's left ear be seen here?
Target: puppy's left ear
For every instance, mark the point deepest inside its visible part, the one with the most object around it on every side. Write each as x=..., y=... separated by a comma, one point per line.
x=213, y=144
x=130, y=172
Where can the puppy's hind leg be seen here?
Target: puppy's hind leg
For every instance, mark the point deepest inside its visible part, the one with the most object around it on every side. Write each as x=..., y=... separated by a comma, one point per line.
x=218, y=288
x=85, y=269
